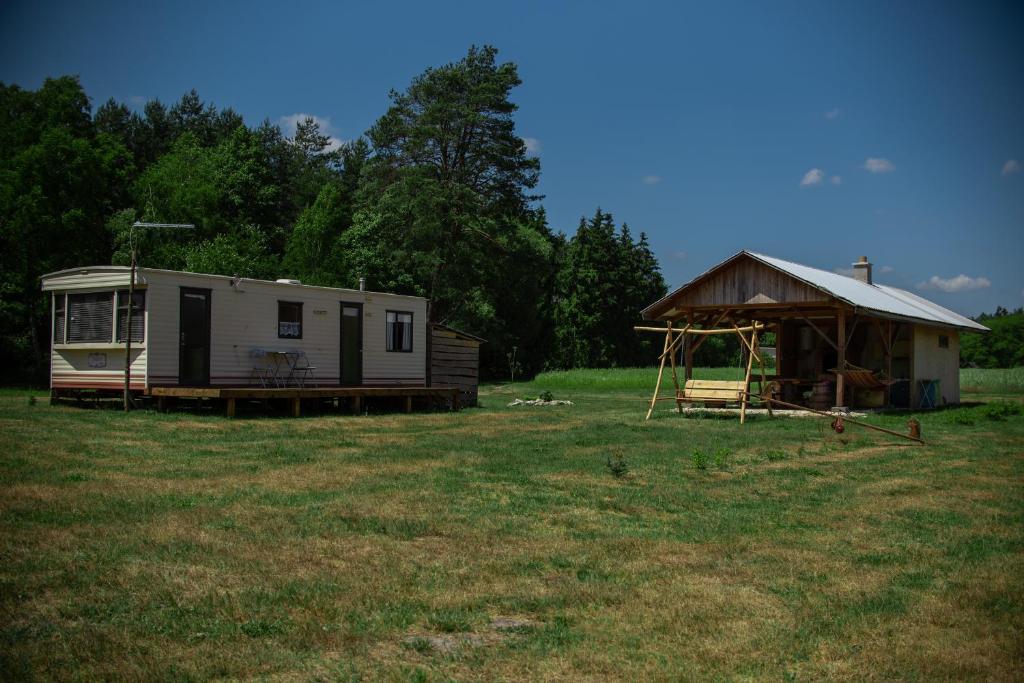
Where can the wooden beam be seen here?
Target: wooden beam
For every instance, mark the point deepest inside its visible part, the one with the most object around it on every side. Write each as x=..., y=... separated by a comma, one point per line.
x=661, y=371
x=231, y=407
x=717, y=330
x=675, y=375
x=746, y=380
x=841, y=359
x=296, y=407
x=818, y=330
x=688, y=349
x=853, y=328
x=746, y=343
x=720, y=318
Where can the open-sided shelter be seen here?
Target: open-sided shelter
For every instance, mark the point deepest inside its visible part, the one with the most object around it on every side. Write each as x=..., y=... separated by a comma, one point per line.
x=847, y=341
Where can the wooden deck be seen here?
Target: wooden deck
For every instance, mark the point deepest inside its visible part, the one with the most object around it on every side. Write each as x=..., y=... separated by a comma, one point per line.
x=295, y=395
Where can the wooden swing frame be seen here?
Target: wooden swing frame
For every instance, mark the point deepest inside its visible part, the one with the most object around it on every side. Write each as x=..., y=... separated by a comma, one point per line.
x=673, y=339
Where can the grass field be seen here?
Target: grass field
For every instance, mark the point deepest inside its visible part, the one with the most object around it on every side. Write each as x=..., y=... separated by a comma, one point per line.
x=497, y=543
x=1008, y=381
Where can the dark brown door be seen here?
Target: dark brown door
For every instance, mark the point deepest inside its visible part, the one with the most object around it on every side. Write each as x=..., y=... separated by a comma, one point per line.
x=194, y=341
x=351, y=344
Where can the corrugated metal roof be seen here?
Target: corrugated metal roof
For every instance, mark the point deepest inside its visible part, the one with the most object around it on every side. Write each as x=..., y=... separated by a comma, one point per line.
x=882, y=299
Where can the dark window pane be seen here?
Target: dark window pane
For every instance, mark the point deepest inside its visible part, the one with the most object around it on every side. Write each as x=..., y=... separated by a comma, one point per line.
x=59, y=317
x=138, y=315
x=90, y=317
x=289, y=320
x=398, y=331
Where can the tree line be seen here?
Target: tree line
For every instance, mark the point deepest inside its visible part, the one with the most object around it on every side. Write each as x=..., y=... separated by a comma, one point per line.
x=436, y=199
x=1003, y=347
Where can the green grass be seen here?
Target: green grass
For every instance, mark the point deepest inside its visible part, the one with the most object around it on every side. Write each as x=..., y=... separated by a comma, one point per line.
x=185, y=546
x=997, y=381
x=614, y=379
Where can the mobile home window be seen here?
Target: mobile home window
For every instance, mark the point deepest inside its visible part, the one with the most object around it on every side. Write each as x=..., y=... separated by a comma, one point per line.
x=138, y=315
x=289, y=320
x=943, y=341
x=399, y=331
x=90, y=317
x=59, y=317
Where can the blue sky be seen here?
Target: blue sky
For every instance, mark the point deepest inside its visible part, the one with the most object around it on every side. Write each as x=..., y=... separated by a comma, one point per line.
x=815, y=132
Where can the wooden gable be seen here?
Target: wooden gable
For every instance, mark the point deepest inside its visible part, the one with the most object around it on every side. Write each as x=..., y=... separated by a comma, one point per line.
x=742, y=281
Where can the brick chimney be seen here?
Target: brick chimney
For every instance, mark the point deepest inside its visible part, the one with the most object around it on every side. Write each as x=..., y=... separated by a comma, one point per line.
x=862, y=270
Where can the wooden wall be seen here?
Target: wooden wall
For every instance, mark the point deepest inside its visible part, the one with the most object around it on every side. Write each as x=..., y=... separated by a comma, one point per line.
x=455, y=361
x=748, y=282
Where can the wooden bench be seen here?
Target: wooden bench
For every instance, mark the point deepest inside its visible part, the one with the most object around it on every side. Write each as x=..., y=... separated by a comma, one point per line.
x=712, y=391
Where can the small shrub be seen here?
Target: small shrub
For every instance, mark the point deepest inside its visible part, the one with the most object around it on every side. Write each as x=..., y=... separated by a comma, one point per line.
x=547, y=396
x=722, y=458
x=617, y=465
x=962, y=417
x=700, y=459
x=1000, y=410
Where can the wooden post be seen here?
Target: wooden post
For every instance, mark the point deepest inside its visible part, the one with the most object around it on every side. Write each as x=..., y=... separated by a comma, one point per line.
x=357, y=404
x=661, y=371
x=888, y=361
x=687, y=350
x=455, y=399
x=296, y=407
x=231, y=407
x=746, y=388
x=764, y=376
x=161, y=404
x=675, y=376
x=840, y=359
x=408, y=404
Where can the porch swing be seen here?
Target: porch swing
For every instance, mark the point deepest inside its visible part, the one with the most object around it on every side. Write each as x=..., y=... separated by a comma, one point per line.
x=710, y=391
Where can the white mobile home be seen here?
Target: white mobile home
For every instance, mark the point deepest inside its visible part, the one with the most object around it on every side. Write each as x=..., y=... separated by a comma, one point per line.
x=194, y=330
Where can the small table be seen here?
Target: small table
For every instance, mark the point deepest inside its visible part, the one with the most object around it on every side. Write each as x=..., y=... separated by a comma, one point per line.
x=296, y=366
x=282, y=368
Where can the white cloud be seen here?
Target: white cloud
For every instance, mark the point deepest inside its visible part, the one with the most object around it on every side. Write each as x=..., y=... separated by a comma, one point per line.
x=1011, y=166
x=836, y=180
x=679, y=255
x=960, y=283
x=812, y=177
x=290, y=123
x=879, y=165
x=652, y=179
x=532, y=146
x=832, y=114
x=886, y=269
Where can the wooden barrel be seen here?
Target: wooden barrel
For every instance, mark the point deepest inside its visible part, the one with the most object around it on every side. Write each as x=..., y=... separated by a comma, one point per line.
x=821, y=396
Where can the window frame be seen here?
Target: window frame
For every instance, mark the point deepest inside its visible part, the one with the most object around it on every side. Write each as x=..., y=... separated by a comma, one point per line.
x=67, y=317
x=388, y=337
x=136, y=311
x=943, y=341
x=63, y=309
x=284, y=302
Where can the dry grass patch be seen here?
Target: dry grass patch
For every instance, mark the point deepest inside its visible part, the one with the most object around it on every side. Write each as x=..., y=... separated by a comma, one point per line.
x=326, y=546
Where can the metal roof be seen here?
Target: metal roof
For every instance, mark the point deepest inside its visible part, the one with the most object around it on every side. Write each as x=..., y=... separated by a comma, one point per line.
x=141, y=272
x=882, y=299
